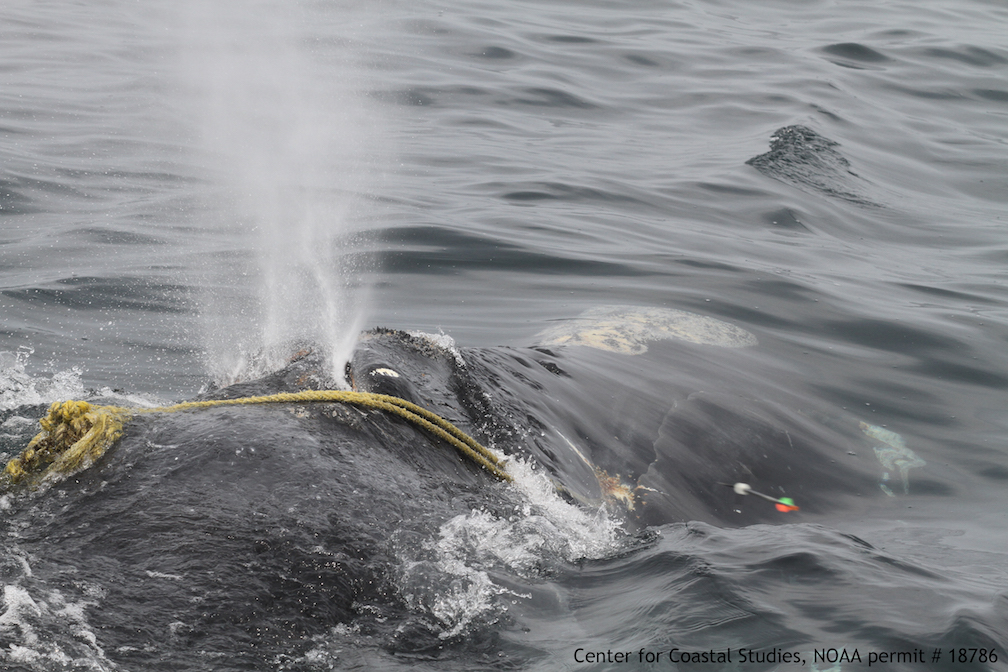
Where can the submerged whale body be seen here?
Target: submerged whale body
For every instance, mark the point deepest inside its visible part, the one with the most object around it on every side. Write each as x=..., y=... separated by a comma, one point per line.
x=249, y=532
x=809, y=161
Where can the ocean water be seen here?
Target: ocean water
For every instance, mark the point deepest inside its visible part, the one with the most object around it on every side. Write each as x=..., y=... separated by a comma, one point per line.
x=190, y=192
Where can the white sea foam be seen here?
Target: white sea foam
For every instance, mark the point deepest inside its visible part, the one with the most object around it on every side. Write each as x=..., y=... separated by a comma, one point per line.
x=42, y=629
x=48, y=631
x=586, y=533
x=131, y=400
x=19, y=388
x=451, y=580
x=20, y=610
x=163, y=575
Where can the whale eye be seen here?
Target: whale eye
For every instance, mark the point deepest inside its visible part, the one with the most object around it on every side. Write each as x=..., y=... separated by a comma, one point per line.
x=384, y=372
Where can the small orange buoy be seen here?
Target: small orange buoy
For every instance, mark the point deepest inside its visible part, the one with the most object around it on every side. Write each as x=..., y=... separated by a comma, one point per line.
x=785, y=504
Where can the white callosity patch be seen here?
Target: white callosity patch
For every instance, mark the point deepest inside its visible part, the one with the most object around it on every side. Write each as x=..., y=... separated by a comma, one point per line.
x=893, y=455
x=628, y=329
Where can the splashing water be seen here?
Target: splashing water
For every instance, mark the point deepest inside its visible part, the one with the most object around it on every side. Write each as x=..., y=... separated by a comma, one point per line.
x=450, y=576
x=289, y=144
x=19, y=388
x=35, y=620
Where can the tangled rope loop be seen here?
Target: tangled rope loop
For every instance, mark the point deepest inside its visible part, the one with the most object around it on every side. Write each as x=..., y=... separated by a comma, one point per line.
x=75, y=433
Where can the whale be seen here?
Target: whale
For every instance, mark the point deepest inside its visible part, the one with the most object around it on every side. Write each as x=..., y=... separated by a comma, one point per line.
x=231, y=536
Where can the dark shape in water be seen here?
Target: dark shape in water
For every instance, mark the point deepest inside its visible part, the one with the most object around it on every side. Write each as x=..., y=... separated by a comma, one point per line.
x=854, y=55
x=801, y=157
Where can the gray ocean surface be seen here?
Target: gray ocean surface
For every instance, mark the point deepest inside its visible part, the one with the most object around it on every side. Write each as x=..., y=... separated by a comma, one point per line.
x=188, y=188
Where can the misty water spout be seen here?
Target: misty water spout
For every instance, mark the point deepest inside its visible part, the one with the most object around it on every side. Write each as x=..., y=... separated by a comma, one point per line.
x=288, y=145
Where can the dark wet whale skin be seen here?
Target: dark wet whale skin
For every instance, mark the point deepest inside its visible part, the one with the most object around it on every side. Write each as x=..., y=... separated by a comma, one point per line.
x=534, y=402
x=251, y=529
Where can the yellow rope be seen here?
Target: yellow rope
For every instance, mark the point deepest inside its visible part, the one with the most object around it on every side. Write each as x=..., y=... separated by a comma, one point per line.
x=75, y=433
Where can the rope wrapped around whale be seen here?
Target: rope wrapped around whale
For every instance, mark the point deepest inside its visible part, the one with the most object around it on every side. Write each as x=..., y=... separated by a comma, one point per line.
x=75, y=433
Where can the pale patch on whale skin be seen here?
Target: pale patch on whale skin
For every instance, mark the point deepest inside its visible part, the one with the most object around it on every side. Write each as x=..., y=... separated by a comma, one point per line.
x=893, y=456
x=613, y=488
x=627, y=329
